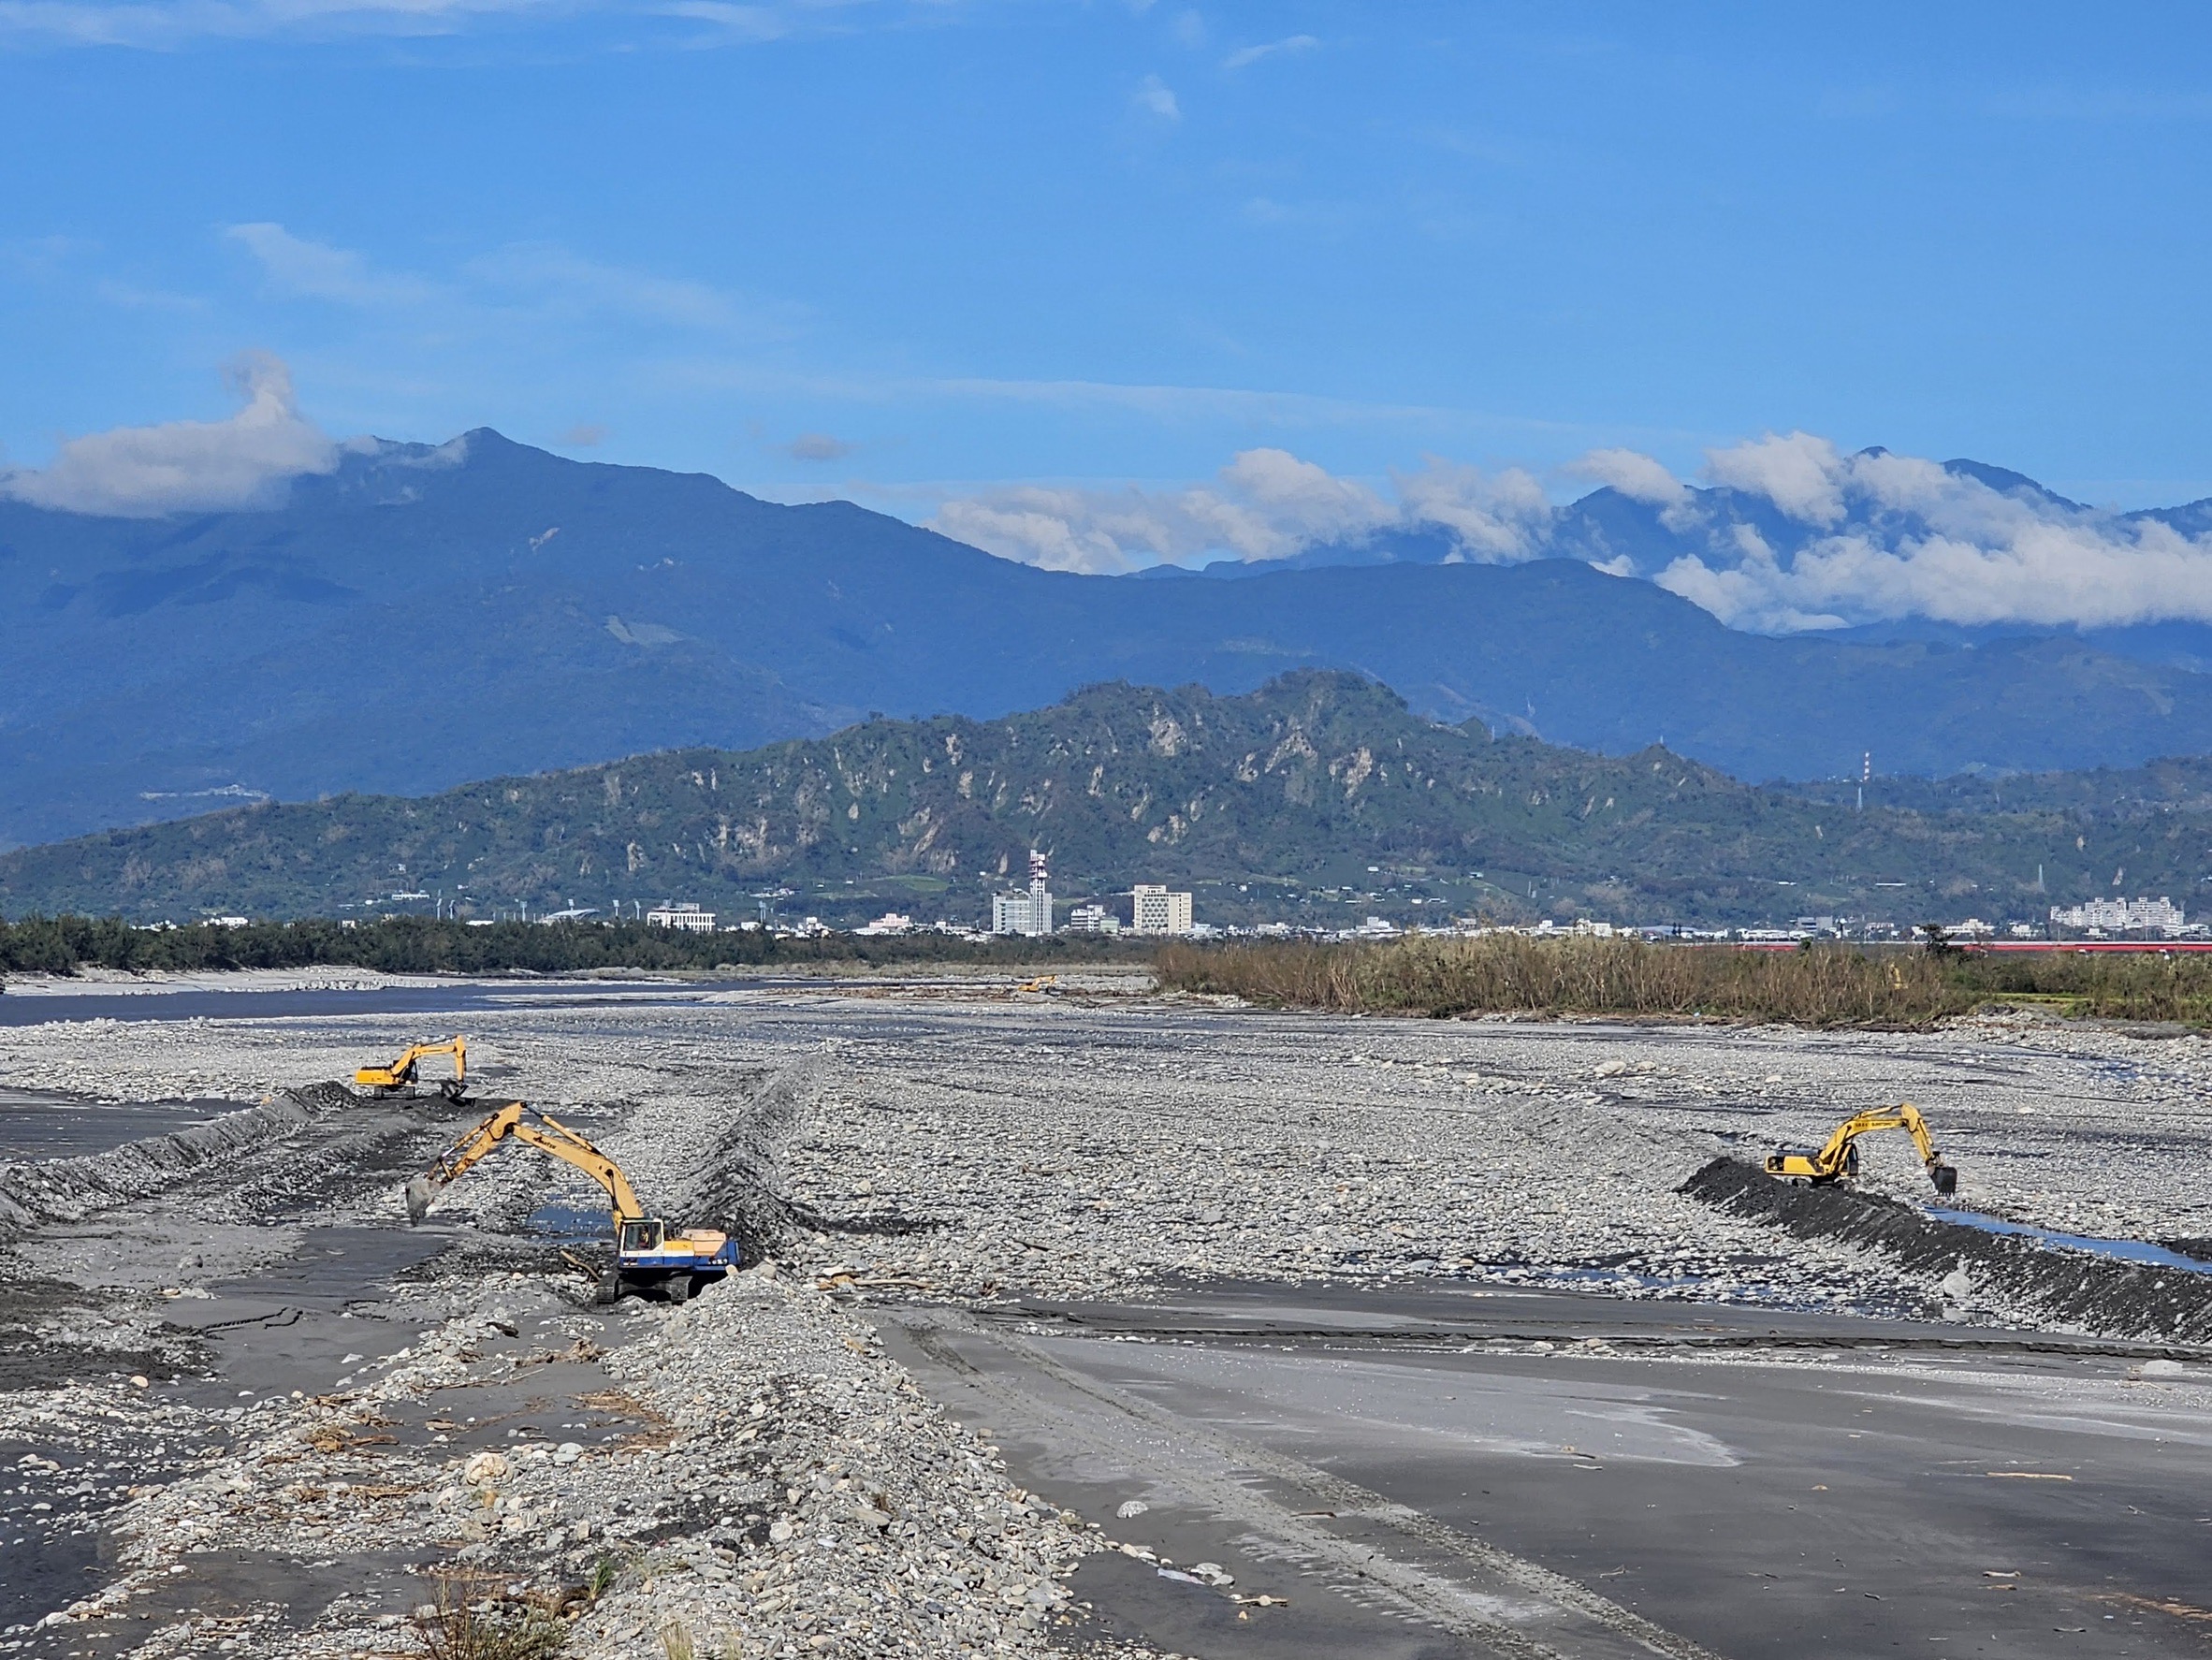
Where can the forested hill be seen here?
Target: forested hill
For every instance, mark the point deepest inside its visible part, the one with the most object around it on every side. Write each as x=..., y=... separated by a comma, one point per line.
x=1319, y=790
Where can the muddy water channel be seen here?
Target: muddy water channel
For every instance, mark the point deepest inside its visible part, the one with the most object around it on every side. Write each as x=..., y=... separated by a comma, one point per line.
x=37, y=1125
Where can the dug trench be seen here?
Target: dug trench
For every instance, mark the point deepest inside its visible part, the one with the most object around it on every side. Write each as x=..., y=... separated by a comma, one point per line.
x=2074, y=1288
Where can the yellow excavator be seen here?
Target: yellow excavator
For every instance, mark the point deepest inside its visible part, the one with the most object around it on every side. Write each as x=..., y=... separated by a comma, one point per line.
x=648, y=1254
x=399, y=1074
x=1837, y=1158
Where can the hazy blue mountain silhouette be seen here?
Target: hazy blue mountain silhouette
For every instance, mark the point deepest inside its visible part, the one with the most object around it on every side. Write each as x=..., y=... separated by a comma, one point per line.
x=427, y=614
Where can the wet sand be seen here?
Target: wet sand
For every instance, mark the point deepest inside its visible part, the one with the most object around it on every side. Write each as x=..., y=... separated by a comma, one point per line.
x=1764, y=1488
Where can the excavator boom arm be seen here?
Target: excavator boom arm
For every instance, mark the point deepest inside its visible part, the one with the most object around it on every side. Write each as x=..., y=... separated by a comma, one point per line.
x=1834, y=1158
x=548, y=1135
x=565, y=1145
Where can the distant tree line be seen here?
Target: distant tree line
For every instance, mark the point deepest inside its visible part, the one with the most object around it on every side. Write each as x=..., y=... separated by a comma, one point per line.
x=419, y=945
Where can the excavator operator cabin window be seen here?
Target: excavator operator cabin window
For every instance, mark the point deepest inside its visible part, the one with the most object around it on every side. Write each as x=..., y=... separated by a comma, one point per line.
x=641, y=1236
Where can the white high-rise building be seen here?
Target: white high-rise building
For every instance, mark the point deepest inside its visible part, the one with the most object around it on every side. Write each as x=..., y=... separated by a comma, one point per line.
x=1026, y=914
x=1155, y=910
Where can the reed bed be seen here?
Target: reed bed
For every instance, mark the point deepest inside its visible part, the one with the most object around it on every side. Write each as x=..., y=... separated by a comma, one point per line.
x=1818, y=985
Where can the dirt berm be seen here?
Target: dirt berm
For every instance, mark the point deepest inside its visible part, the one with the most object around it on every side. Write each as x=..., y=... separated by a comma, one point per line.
x=741, y=1186
x=70, y=1190
x=2103, y=1295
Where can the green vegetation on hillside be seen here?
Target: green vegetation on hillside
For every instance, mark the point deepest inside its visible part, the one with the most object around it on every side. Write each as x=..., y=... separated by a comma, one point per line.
x=1815, y=985
x=1315, y=800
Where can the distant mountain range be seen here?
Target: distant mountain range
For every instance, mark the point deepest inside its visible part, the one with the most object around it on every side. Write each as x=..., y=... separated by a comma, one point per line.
x=424, y=616
x=1320, y=798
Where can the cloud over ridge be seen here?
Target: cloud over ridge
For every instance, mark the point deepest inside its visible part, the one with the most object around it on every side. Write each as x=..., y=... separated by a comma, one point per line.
x=243, y=460
x=1265, y=504
x=1780, y=534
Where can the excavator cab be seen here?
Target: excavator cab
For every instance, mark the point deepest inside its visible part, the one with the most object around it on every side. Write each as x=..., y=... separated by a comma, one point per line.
x=1800, y=1163
x=643, y=1237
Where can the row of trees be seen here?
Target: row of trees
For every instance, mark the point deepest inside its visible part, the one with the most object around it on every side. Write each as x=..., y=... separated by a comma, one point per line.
x=419, y=945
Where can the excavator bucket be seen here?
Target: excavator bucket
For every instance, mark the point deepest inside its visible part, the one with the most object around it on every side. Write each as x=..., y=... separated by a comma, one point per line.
x=1945, y=1177
x=419, y=1193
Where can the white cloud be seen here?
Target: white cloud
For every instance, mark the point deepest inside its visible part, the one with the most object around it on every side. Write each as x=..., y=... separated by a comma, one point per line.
x=1292, y=491
x=733, y=23
x=168, y=25
x=531, y=284
x=153, y=25
x=184, y=466
x=1863, y=538
x=1634, y=475
x=1496, y=519
x=1244, y=57
x=1153, y=97
x=549, y=277
x=1265, y=504
x=1799, y=473
x=1889, y=537
x=316, y=270
x=2053, y=569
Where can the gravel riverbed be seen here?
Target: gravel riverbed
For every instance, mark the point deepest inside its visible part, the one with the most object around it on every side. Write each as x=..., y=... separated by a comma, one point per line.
x=748, y=1473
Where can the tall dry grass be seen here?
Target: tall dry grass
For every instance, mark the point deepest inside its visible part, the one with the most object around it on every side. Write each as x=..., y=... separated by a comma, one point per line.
x=1506, y=973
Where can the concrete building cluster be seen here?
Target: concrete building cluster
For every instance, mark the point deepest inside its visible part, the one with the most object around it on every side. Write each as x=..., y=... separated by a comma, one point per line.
x=2122, y=916
x=1153, y=910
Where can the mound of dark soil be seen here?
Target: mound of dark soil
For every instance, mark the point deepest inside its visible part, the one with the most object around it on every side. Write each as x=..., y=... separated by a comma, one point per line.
x=2100, y=1294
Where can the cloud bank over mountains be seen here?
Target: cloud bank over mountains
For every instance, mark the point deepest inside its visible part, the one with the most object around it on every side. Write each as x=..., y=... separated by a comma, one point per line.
x=1265, y=504
x=1781, y=533
x=1795, y=534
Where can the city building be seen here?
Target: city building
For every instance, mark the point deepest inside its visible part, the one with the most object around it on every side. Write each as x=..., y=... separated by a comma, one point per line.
x=2122, y=916
x=685, y=918
x=1026, y=914
x=1093, y=919
x=1155, y=910
x=891, y=922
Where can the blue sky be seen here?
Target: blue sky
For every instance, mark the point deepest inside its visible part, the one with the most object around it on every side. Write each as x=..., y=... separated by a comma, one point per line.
x=913, y=252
